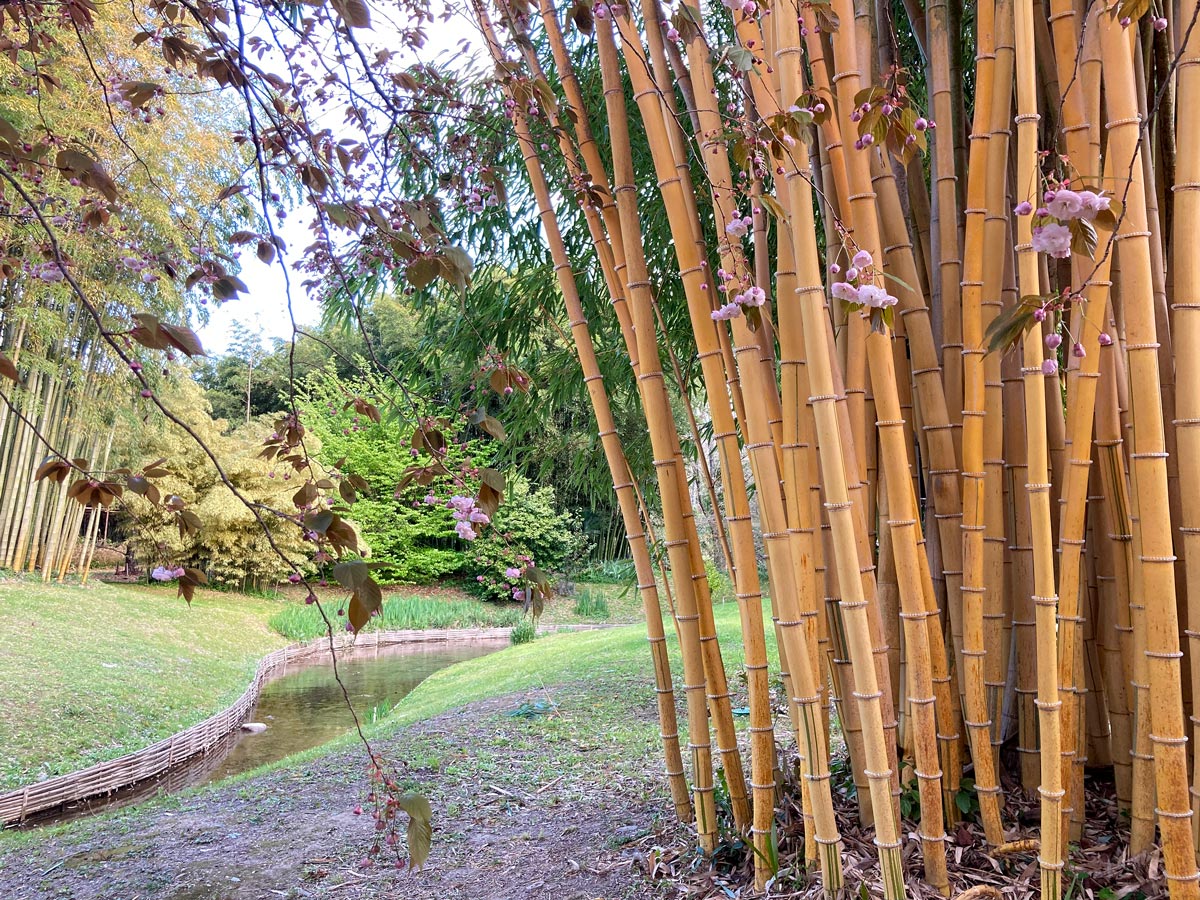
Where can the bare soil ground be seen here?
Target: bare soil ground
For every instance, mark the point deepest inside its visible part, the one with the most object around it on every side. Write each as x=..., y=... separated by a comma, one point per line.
x=524, y=808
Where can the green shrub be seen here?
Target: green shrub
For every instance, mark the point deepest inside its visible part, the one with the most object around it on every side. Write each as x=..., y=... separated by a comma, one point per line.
x=523, y=632
x=414, y=542
x=719, y=583
x=527, y=529
x=299, y=622
x=591, y=604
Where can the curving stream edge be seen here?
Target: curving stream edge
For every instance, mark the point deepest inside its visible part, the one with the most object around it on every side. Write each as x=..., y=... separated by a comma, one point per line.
x=123, y=771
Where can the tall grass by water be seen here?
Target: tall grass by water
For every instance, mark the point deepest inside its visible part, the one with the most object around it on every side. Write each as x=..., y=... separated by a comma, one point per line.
x=303, y=623
x=591, y=604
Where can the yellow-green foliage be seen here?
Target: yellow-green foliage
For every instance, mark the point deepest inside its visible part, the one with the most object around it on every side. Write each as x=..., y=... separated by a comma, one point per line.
x=231, y=546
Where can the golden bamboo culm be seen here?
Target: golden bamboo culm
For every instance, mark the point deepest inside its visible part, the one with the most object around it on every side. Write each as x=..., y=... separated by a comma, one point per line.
x=944, y=397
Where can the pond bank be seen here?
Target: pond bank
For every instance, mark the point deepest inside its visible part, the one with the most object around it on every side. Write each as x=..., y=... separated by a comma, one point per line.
x=549, y=804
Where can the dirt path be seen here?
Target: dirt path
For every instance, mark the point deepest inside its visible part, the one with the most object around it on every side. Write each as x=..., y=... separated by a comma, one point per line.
x=524, y=808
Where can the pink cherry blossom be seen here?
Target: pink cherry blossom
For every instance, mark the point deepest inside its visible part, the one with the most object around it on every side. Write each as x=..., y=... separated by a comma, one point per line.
x=875, y=297
x=1066, y=204
x=862, y=259
x=754, y=296
x=1053, y=239
x=1093, y=204
x=845, y=291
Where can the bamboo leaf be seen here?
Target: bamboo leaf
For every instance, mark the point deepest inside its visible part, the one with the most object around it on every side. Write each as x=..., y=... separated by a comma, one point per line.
x=900, y=281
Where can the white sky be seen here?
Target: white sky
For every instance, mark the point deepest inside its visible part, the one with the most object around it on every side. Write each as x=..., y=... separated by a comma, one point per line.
x=265, y=307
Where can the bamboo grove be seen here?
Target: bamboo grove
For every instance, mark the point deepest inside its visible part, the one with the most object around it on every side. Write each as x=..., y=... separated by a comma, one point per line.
x=950, y=359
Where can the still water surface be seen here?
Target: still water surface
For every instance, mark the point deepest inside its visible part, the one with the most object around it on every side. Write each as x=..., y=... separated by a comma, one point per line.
x=305, y=707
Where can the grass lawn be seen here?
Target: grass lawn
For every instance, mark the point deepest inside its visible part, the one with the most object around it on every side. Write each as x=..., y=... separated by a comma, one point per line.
x=105, y=670
x=609, y=666
x=99, y=671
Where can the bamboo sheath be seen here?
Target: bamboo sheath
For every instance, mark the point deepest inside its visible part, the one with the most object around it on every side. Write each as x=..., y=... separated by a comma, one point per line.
x=1148, y=465
x=614, y=455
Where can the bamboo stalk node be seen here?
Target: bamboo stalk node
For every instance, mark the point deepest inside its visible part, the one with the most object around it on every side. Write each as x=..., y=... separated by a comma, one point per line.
x=1195, y=876
x=1162, y=813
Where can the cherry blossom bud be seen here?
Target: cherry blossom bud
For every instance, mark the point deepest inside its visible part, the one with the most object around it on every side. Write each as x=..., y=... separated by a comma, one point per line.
x=1049, y=367
x=1105, y=340
x=1077, y=351
x=1160, y=24
x=1023, y=208
x=921, y=124
x=1053, y=341
x=1039, y=315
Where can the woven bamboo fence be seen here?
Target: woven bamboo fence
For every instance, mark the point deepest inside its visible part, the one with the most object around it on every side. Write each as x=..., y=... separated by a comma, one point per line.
x=149, y=762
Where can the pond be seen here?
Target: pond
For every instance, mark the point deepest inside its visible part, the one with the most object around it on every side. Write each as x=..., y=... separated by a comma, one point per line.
x=302, y=708
x=305, y=707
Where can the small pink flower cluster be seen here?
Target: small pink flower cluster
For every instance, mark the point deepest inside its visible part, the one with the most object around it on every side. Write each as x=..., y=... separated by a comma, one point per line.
x=740, y=225
x=858, y=289
x=1050, y=234
x=466, y=515
x=752, y=296
x=162, y=573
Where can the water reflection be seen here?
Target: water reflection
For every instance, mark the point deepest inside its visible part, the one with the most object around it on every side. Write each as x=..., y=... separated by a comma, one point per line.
x=304, y=707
